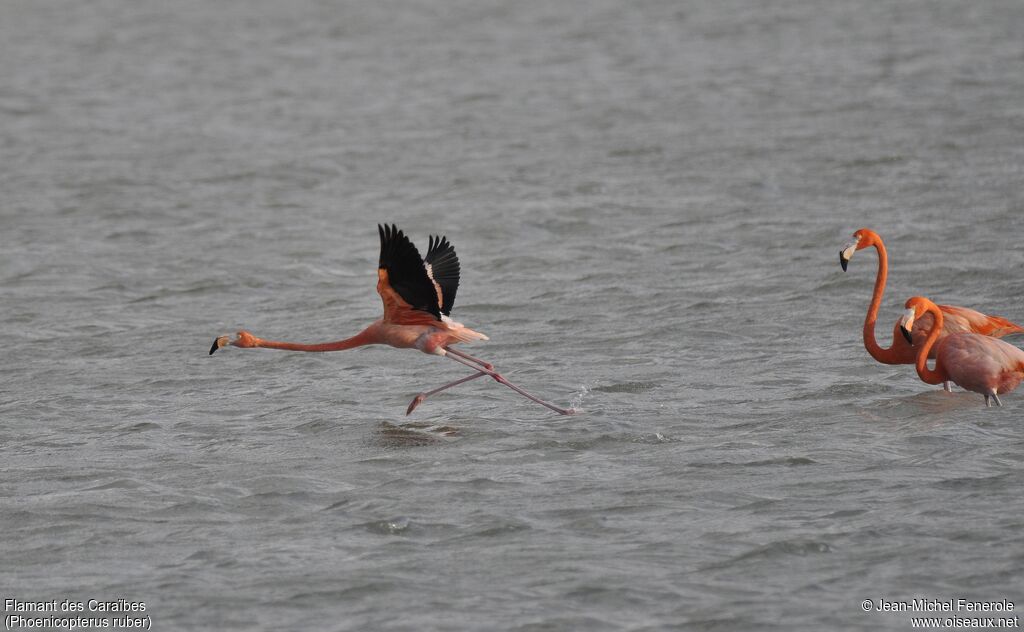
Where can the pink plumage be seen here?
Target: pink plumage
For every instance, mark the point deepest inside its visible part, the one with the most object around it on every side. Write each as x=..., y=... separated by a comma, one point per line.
x=974, y=362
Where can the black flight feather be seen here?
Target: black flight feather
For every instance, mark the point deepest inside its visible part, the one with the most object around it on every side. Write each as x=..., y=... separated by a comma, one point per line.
x=406, y=272
x=444, y=267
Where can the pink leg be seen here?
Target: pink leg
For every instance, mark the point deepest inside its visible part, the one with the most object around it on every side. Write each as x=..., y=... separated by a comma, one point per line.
x=463, y=354
x=416, y=401
x=499, y=378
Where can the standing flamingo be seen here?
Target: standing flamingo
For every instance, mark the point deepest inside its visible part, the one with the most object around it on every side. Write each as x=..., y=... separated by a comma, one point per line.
x=975, y=362
x=957, y=319
x=418, y=295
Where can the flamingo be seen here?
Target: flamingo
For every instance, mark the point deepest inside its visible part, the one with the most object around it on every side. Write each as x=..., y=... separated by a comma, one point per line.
x=901, y=351
x=975, y=362
x=418, y=295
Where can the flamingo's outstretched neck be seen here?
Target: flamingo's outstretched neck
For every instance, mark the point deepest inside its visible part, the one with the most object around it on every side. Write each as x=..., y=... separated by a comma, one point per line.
x=340, y=345
x=246, y=340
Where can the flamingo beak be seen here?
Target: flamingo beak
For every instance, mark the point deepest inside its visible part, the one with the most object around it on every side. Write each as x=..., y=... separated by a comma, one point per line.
x=218, y=343
x=847, y=253
x=907, y=324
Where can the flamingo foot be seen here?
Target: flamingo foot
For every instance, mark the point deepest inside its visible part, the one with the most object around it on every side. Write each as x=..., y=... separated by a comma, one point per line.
x=947, y=386
x=416, y=401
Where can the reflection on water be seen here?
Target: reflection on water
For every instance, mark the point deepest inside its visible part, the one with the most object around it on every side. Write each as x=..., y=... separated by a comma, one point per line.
x=413, y=434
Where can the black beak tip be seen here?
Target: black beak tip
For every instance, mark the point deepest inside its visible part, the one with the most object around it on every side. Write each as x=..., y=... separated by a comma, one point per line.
x=906, y=334
x=214, y=347
x=843, y=261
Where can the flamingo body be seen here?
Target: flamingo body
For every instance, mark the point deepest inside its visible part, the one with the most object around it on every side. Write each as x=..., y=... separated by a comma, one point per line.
x=956, y=320
x=973, y=361
x=981, y=364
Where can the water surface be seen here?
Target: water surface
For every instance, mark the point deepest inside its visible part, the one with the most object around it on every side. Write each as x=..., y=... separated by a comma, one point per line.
x=647, y=199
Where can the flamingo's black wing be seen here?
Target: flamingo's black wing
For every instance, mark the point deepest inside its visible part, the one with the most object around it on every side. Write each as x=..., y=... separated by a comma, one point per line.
x=443, y=268
x=406, y=273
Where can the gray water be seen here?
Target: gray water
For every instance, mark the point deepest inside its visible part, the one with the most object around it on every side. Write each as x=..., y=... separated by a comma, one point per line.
x=648, y=199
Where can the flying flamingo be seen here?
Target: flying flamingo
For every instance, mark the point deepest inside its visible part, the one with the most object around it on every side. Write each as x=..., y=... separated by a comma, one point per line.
x=418, y=295
x=957, y=319
x=975, y=362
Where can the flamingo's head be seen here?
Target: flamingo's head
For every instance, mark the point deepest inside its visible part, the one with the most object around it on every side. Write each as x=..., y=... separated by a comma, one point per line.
x=861, y=239
x=243, y=339
x=916, y=307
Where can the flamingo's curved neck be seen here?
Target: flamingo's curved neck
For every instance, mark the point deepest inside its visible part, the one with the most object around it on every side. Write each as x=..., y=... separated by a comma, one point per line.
x=927, y=375
x=885, y=356
x=364, y=337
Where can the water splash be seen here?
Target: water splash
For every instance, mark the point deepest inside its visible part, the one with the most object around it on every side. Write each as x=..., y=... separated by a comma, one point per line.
x=395, y=526
x=576, y=403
